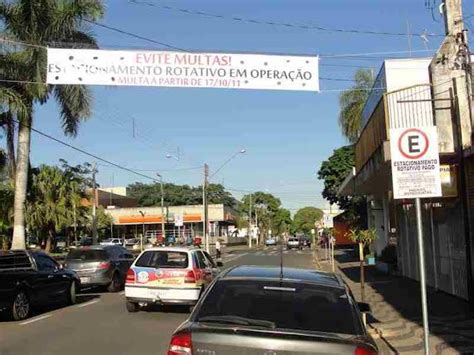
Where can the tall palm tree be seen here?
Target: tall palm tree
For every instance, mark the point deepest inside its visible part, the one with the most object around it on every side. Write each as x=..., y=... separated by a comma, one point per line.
x=42, y=23
x=352, y=103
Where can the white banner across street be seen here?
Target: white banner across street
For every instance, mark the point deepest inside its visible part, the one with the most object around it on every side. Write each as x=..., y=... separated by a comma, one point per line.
x=415, y=162
x=182, y=69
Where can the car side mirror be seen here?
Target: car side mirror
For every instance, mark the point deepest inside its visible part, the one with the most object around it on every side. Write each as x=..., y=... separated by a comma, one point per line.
x=219, y=263
x=364, y=307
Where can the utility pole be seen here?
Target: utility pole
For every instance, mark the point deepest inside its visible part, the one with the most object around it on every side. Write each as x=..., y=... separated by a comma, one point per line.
x=250, y=231
x=204, y=206
x=450, y=71
x=94, y=205
x=162, y=208
x=74, y=213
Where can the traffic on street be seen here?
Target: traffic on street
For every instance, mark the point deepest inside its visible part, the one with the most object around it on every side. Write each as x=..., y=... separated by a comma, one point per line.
x=99, y=322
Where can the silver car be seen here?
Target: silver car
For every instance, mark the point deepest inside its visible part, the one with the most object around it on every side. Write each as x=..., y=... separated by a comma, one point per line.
x=267, y=310
x=100, y=265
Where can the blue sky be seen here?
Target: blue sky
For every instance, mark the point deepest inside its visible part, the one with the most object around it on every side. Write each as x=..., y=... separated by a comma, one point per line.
x=286, y=134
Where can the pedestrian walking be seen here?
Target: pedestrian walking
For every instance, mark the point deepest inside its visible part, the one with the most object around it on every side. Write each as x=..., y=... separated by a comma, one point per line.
x=218, y=249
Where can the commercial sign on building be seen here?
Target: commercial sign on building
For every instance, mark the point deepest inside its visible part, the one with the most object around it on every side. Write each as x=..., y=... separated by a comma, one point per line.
x=415, y=162
x=178, y=220
x=182, y=69
x=328, y=221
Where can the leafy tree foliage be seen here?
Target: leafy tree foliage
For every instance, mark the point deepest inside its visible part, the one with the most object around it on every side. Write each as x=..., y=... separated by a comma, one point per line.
x=305, y=219
x=265, y=208
x=333, y=172
x=281, y=221
x=41, y=23
x=178, y=195
x=352, y=103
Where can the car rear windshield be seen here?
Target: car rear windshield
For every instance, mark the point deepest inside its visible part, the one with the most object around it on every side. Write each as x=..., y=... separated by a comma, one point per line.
x=14, y=260
x=293, y=240
x=163, y=259
x=293, y=306
x=87, y=254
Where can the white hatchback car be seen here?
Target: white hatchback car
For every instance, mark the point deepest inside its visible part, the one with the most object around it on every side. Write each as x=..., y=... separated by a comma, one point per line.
x=169, y=275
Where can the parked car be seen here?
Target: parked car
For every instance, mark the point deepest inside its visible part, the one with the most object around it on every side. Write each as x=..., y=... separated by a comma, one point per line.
x=100, y=265
x=32, y=278
x=268, y=310
x=270, y=241
x=293, y=243
x=131, y=242
x=305, y=242
x=169, y=275
x=112, y=241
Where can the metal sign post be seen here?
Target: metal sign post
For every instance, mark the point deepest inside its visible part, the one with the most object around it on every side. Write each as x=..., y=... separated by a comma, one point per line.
x=421, y=258
x=416, y=174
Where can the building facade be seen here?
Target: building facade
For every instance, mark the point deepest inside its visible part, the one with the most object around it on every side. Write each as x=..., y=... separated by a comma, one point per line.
x=405, y=99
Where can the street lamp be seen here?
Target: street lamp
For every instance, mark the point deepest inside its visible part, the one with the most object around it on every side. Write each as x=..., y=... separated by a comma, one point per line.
x=143, y=232
x=162, y=208
x=242, y=151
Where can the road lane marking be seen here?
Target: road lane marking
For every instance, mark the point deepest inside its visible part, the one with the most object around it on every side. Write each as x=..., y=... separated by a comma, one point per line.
x=36, y=319
x=236, y=257
x=88, y=303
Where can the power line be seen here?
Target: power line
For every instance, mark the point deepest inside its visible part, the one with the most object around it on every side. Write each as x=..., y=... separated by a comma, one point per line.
x=275, y=23
x=87, y=153
x=130, y=34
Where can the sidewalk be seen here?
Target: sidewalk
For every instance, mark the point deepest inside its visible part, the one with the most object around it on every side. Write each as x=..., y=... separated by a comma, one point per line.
x=395, y=321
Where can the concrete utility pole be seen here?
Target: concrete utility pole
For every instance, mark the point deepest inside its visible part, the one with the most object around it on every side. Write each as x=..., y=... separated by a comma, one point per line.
x=162, y=208
x=250, y=232
x=94, y=205
x=204, y=206
x=451, y=76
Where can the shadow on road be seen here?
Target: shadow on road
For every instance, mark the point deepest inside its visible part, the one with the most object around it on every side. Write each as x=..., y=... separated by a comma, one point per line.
x=449, y=316
x=55, y=305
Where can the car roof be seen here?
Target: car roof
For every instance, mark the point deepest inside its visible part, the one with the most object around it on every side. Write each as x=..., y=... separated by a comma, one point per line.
x=177, y=248
x=289, y=274
x=97, y=247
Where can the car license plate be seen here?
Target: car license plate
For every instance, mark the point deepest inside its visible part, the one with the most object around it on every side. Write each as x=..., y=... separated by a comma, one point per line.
x=85, y=280
x=159, y=293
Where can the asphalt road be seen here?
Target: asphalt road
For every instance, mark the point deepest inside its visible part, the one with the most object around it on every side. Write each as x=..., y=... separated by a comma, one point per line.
x=99, y=323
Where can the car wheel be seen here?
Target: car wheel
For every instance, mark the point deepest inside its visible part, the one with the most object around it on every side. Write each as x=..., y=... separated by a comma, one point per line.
x=21, y=306
x=115, y=284
x=132, y=307
x=71, y=296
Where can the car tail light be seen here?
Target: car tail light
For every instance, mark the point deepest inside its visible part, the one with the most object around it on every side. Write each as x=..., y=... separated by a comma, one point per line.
x=103, y=265
x=364, y=351
x=181, y=344
x=130, y=276
x=190, y=277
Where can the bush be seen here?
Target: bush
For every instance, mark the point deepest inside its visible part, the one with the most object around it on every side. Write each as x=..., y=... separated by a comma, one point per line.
x=389, y=254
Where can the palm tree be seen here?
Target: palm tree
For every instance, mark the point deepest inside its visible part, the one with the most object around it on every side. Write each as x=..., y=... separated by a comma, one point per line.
x=42, y=23
x=49, y=208
x=352, y=103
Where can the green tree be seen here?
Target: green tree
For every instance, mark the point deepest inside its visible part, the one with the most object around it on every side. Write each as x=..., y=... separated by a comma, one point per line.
x=264, y=208
x=305, y=219
x=281, y=221
x=178, y=195
x=352, y=103
x=49, y=208
x=333, y=172
x=41, y=23
x=363, y=238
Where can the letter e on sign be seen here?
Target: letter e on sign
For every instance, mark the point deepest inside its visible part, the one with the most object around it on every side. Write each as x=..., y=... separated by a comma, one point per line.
x=413, y=143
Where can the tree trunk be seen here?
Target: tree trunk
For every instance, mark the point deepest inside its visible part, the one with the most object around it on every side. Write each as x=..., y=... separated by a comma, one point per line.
x=362, y=276
x=49, y=241
x=21, y=183
x=10, y=128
